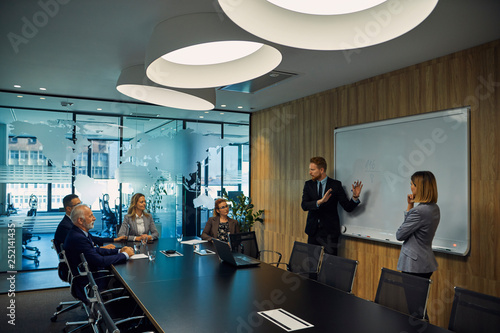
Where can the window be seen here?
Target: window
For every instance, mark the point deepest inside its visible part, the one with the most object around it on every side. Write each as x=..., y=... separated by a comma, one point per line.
x=159, y=153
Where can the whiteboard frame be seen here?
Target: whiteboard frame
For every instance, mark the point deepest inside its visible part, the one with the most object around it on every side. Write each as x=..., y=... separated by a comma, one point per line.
x=367, y=234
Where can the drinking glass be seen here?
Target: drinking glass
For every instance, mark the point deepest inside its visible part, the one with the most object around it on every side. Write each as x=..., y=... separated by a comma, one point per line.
x=152, y=255
x=179, y=238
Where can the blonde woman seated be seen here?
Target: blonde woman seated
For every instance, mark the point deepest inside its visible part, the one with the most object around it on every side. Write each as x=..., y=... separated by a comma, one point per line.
x=220, y=225
x=137, y=224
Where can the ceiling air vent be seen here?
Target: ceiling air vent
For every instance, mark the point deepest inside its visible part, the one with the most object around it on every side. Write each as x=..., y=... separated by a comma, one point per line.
x=270, y=79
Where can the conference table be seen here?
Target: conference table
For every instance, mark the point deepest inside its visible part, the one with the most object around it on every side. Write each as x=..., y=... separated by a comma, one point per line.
x=194, y=293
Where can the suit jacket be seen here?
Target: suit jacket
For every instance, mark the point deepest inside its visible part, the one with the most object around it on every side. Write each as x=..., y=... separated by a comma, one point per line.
x=129, y=227
x=327, y=213
x=211, y=229
x=98, y=258
x=63, y=229
x=417, y=232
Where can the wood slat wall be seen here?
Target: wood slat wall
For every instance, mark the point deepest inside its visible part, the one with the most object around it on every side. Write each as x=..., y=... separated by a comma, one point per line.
x=283, y=138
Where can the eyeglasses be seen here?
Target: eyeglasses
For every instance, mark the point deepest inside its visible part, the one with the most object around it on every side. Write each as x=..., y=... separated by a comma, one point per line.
x=222, y=207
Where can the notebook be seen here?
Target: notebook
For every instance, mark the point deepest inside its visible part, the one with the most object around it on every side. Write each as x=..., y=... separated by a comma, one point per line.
x=235, y=259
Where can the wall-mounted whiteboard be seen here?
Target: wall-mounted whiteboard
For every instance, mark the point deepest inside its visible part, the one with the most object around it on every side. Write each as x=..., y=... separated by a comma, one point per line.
x=384, y=154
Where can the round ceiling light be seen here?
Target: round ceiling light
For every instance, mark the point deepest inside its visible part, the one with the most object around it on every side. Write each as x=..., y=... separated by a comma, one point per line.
x=204, y=50
x=326, y=7
x=213, y=53
x=346, y=29
x=134, y=83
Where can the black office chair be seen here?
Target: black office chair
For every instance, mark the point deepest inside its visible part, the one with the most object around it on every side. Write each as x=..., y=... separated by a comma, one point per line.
x=28, y=236
x=337, y=272
x=473, y=312
x=403, y=292
x=80, y=324
x=305, y=259
x=100, y=317
x=109, y=219
x=65, y=275
x=246, y=243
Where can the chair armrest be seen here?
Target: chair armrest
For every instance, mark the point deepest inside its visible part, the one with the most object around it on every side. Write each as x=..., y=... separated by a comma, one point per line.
x=279, y=256
x=129, y=319
x=108, y=291
x=117, y=299
x=283, y=263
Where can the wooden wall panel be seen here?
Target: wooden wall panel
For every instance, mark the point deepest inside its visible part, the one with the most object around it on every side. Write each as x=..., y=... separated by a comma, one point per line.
x=285, y=137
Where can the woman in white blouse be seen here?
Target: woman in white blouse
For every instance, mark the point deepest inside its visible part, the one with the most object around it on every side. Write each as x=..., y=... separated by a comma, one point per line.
x=137, y=224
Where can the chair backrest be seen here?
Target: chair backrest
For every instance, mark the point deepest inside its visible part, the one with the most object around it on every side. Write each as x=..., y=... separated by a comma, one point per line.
x=403, y=292
x=103, y=321
x=474, y=312
x=63, y=267
x=75, y=292
x=246, y=243
x=305, y=258
x=91, y=289
x=337, y=272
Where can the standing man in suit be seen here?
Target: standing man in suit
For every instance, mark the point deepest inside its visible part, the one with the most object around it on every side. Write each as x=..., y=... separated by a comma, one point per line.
x=79, y=241
x=70, y=201
x=320, y=197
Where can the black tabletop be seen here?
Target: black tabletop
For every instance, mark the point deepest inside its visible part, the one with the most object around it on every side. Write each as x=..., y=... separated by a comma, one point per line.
x=194, y=293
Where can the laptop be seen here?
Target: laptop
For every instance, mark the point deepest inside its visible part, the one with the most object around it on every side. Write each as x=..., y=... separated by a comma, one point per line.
x=233, y=258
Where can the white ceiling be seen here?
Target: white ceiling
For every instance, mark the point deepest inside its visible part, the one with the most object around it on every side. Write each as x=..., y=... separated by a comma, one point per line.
x=78, y=49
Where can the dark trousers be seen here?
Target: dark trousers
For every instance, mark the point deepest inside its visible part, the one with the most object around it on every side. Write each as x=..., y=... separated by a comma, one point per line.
x=409, y=293
x=327, y=240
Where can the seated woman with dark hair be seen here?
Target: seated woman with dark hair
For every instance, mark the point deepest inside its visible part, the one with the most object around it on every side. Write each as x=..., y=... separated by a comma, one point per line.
x=220, y=225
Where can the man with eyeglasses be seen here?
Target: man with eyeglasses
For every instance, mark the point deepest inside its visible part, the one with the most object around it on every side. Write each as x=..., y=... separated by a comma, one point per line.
x=70, y=201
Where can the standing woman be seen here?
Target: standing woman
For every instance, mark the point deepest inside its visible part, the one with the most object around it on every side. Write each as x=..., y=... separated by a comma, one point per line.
x=419, y=227
x=137, y=224
x=220, y=225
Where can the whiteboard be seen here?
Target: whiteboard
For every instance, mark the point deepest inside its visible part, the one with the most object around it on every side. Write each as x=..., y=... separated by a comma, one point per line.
x=384, y=155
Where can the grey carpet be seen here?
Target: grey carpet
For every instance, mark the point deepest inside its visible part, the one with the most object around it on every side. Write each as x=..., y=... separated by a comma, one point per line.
x=33, y=310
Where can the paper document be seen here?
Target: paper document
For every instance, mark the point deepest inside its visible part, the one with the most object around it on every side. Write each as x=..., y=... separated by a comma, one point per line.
x=139, y=256
x=285, y=320
x=193, y=242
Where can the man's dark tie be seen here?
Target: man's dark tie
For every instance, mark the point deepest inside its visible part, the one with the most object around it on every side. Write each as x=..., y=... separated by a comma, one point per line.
x=320, y=191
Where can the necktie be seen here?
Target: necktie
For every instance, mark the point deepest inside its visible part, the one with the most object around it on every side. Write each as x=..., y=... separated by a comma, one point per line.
x=320, y=191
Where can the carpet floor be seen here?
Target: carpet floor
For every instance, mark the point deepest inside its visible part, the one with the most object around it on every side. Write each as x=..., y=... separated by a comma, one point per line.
x=33, y=310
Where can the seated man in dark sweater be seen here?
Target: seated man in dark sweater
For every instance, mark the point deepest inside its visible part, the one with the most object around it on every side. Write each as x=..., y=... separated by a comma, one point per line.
x=80, y=241
x=70, y=201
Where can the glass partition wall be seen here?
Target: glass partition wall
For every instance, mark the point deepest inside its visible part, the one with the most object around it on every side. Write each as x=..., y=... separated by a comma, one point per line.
x=181, y=166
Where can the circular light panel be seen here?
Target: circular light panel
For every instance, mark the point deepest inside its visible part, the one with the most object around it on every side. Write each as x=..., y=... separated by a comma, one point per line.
x=212, y=53
x=375, y=25
x=134, y=83
x=326, y=7
x=165, y=97
x=207, y=51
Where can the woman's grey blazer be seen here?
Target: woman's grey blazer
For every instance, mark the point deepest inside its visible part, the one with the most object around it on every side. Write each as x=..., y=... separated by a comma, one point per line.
x=417, y=232
x=129, y=227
